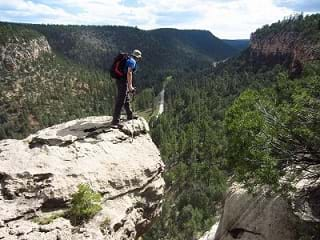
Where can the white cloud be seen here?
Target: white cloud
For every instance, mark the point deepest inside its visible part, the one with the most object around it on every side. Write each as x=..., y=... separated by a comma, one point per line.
x=226, y=19
x=239, y=18
x=28, y=8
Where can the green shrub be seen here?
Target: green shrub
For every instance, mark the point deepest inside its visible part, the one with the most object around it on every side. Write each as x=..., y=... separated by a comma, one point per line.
x=43, y=220
x=271, y=130
x=85, y=204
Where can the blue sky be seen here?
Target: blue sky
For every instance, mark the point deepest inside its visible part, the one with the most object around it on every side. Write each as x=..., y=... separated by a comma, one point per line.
x=232, y=19
x=300, y=5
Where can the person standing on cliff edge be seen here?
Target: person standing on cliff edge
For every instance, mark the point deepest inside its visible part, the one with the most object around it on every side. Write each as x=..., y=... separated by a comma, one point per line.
x=124, y=87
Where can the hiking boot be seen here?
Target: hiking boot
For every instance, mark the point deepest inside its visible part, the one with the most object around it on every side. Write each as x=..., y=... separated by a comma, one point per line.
x=116, y=124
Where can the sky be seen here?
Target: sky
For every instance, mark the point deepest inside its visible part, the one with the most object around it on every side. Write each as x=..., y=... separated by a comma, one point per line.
x=227, y=19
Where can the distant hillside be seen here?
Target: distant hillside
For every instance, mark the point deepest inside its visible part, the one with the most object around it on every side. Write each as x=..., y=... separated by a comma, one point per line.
x=198, y=43
x=239, y=44
x=39, y=88
x=165, y=51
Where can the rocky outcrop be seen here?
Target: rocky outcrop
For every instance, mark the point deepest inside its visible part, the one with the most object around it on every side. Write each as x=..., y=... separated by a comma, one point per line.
x=255, y=217
x=290, y=44
x=15, y=53
x=39, y=174
x=291, y=49
x=271, y=216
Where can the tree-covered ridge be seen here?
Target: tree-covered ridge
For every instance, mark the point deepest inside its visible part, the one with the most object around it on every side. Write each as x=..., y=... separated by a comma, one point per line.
x=47, y=88
x=96, y=47
x=308, y=26
x=199, y=43
x=48, y=91
x=165, y=51
x=13, y=33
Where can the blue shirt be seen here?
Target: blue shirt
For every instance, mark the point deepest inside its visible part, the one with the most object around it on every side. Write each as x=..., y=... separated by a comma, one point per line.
x=131, y=63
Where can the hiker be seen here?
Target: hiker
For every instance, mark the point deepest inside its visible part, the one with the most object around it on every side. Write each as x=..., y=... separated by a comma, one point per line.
x=125, y=87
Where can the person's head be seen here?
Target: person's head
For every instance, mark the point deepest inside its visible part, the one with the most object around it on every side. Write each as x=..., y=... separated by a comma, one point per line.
x=136, y=54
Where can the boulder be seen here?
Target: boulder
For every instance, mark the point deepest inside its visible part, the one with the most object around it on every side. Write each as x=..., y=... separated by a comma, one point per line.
x=39, y=174
x=246, y=216
x=266, y=215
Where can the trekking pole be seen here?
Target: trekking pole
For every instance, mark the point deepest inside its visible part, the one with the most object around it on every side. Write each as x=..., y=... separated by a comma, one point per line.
x=132, y=107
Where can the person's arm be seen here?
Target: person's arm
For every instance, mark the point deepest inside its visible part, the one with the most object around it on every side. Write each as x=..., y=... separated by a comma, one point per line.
x=129, y=79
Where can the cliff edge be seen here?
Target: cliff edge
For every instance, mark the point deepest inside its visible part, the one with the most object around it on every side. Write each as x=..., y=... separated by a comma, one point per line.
x=40, y=173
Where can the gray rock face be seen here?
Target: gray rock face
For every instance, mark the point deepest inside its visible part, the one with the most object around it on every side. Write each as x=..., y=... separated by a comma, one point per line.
x=39, y=174
x=255, y=217
x=14, y=53
x=291, y=44
x=271, y=216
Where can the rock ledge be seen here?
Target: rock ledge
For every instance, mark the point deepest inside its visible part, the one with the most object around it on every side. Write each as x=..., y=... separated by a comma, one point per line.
x=39, y=174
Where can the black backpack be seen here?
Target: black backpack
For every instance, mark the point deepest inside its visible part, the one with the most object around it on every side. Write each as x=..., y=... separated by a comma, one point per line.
x=117, y=68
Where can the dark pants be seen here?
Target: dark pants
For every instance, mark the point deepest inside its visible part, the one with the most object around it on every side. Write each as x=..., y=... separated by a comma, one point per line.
x=122, y=100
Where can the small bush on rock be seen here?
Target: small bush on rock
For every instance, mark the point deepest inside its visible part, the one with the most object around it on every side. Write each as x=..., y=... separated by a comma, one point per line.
x=85, y=204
